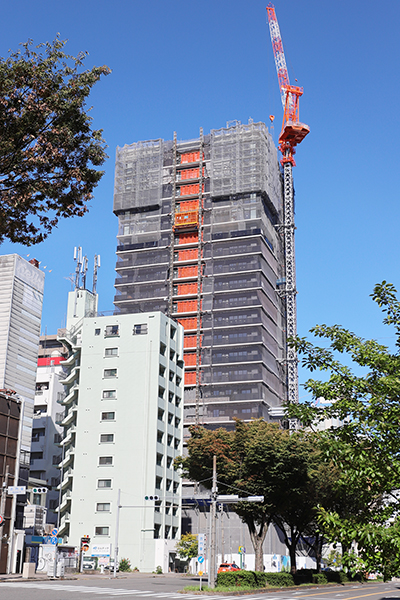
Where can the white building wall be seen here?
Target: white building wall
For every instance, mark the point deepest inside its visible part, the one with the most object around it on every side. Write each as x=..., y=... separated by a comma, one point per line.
x=21, y=298
x=131, y=418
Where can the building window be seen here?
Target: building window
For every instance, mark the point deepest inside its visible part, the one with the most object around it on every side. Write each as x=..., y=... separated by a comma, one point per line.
x=140, y=329
x=157, y=528
x=169, y=462
x=160, y=436
x=172, y=332
x=177, y=442
x=160, y=414
x=106, y=438
x=104, y=483
x=111, y=331
x=108, y=416
x=37, y=499
x=103, y=507
x=109, y=373
x=37, y=434
x=109, y=393
x=163, y=348
x=162, y=371
x=105, y=460
x=97, y=332
x=158, y=483
x=101, y=530
x=53, y=504
x=159, y=459
x=111, y=352
x=36, y=456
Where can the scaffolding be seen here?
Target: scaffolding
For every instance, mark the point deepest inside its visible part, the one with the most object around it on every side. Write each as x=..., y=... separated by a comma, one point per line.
x=199, y=239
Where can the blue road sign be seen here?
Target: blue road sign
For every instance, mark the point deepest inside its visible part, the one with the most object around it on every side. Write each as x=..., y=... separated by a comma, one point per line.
x=53, y=541
x=200, y=559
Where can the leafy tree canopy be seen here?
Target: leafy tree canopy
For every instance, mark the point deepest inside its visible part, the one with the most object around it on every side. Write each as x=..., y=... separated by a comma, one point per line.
x=364, y=444
x=187, y=546
x=47, y=147
x=259, y=458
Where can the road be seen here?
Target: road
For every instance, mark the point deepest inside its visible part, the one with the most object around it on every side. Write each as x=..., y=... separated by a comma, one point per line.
x=167, y=588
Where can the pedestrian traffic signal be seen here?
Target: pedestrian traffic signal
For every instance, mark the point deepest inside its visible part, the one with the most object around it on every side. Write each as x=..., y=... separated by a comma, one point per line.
x=39, y=490
x=152, y=497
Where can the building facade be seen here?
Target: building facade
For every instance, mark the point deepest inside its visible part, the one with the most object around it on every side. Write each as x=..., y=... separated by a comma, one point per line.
x=46, y=432
x=123, y=416
x=21, y=299
x=199, y=239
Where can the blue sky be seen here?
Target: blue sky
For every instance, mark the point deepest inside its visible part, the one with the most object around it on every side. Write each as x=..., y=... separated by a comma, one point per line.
x=178, y=66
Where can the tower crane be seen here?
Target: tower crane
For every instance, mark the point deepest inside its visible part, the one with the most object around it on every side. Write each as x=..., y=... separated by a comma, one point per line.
x=293, y=132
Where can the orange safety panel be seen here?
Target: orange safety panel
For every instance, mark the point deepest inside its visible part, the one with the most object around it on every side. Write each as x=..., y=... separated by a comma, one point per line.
x=191, y=254
x=190, y=157
x=190, y=341
x=188, y=238
x=187, y=271
x=190, y=359
x=187, y=288
x=187, y=306
x=190, y=173
x=189, y=190
x=189, y=205
x=188, y=323
x=190, y=377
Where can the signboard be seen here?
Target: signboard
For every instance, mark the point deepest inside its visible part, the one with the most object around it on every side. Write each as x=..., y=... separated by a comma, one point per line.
x=16, y=489
x=200, y=559
x=242, y=550
x=101, y=549
x=201, y=543
x=1, y=520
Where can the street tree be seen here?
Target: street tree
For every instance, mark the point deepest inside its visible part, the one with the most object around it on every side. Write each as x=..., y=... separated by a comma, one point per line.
x=187, y=547
x=48, y=149
x=259, y=458
x=363, y=401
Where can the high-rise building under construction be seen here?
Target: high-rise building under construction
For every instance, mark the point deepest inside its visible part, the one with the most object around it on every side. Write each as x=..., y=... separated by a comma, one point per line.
x=200, y=240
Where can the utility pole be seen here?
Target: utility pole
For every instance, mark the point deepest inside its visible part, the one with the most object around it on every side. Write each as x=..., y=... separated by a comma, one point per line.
x=212, y=568
x=117, y=533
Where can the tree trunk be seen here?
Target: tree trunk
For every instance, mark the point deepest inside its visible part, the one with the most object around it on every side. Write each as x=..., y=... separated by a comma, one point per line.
x=257, y=539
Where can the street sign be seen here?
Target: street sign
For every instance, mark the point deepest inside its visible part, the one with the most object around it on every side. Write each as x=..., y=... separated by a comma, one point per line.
x=242, y=550
x=1, y=520
x=54, y=541
x=200, y=559
x=54, y=531
x=201, y=573
x=85, y=548
x=16, y=489
x=201, y=539
x=47, y=539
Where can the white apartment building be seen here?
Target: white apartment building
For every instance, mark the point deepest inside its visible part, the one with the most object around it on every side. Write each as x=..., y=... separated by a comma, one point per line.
x=21, y=298
x=46, y=432
x=122, y=430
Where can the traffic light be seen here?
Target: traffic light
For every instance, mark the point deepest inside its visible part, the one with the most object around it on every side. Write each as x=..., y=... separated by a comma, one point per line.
x=152, y=497
x=39, y=490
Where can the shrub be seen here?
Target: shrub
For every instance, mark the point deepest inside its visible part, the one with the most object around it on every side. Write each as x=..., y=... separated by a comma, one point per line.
x=304, y=576
x=236, y=578
x=319, y=578
x=336, y=576
x=279, y=579
x=125, y=565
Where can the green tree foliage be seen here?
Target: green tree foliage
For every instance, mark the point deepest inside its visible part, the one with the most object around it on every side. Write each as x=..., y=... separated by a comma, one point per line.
x=47, y=147
x=363, y=403
x=187, y=546
x=259, y=458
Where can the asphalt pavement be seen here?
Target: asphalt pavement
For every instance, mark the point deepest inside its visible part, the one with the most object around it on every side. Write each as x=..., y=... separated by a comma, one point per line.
x=169, y=587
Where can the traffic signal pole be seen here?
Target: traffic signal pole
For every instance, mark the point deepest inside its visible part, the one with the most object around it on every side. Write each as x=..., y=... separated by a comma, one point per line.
x=212, y=568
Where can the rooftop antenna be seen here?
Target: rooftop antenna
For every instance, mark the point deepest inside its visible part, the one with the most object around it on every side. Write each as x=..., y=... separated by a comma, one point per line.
x=84, y=271
x=95, y=268
x=78, y=258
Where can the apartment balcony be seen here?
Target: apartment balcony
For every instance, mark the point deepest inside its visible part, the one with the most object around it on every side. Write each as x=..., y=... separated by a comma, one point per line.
x=66, y=499
x=70, y=416
x=74, y=374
